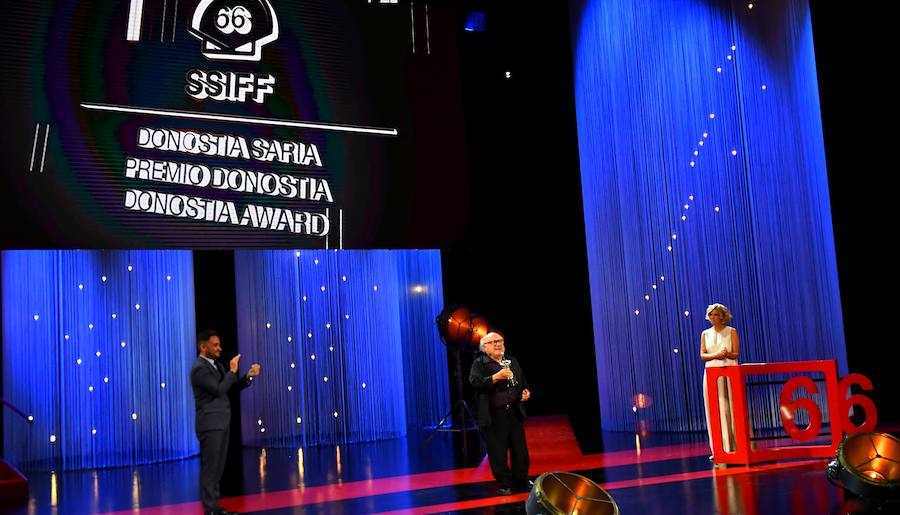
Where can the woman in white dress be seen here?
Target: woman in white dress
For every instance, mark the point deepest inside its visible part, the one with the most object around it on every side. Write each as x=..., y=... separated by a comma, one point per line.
x=719, y=348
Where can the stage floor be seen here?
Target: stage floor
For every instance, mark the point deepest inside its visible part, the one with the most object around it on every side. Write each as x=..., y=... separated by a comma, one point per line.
x=657, y=474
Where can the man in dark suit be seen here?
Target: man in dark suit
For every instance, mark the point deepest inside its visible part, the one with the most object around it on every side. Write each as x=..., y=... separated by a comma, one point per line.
x=502, y=389
x=211, y=384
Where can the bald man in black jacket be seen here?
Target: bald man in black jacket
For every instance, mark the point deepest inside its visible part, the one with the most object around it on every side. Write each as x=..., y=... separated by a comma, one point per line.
x=502, y=391
x=211, y=384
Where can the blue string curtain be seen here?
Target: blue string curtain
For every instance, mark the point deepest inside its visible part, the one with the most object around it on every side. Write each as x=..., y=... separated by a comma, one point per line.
x=347, y=343
x=703, y=176
x=97, y=347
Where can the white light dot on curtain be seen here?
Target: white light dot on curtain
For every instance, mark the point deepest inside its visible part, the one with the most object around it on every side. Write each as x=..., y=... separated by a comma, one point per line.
x=78, y=361
x=122, y=344
x=130, y=268
x=81, y=286
x=299, y=420
x=316, y=261
x=52, y=438
x=36, y=318
x=290, y=338
x=134, y=416
x=103, y=278
x=268, y=325
x=91, y=326
x=168, y=277
x=137, y=306
x=646, y=297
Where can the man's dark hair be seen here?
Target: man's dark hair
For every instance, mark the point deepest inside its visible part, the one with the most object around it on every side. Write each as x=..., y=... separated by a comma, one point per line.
x=204, y=336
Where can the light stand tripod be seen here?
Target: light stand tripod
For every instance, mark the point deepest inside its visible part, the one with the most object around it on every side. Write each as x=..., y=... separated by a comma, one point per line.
x=466, y=419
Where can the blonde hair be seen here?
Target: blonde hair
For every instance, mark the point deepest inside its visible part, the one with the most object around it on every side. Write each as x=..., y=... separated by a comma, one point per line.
x=726, y=315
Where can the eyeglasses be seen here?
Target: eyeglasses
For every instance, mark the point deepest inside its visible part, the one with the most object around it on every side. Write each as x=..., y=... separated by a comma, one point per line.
x=495, y=343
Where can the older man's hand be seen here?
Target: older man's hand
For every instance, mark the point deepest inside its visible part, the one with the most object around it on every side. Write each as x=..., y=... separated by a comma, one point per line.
x=525, y=395
x=503, y=374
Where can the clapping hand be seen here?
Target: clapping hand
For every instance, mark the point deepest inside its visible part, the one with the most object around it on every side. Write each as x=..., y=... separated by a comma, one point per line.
x=254, y=370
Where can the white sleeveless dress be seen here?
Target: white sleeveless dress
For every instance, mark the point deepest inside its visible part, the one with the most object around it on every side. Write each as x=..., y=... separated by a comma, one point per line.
x=716, y=341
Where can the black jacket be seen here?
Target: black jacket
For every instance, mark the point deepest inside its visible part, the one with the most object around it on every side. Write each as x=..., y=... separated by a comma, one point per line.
x=211, y=395
x=480, y=379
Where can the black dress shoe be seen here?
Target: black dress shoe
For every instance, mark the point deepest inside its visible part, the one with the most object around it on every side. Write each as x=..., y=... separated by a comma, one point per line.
x=504, y=491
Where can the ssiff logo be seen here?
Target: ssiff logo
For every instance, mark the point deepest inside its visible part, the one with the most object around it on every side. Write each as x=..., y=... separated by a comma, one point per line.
x=234, y=29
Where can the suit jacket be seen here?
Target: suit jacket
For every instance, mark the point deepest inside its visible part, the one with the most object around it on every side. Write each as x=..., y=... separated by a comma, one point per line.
x=480, y=379
x=211, y=395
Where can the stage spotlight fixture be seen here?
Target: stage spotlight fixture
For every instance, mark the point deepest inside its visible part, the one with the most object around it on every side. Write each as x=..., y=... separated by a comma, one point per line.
x=868, y=465
x=475, y=22
x=461, y=329
x=558, y=493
